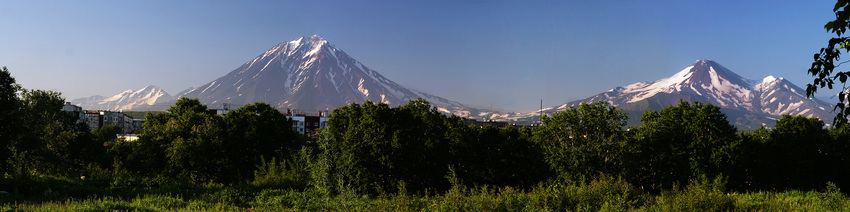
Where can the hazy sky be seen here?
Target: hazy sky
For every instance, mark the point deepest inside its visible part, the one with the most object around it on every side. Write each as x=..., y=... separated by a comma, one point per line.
x=504, y=54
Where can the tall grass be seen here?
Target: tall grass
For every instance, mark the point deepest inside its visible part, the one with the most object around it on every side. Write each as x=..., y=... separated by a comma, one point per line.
x=602, y=194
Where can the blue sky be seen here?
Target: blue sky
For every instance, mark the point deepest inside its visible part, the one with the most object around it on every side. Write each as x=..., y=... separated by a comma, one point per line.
x=502, y=54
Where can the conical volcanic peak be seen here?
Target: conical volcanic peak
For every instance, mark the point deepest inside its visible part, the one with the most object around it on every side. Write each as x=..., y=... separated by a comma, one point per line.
x=702, y=80
x=307, y=73
x=706, y=72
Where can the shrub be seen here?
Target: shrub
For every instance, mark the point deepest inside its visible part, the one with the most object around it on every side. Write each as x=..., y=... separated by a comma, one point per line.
x=280, y=174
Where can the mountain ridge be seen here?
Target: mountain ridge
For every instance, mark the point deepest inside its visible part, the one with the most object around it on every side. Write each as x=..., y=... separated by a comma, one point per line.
x=311, y=74
x=146, y=98
x=708, y=81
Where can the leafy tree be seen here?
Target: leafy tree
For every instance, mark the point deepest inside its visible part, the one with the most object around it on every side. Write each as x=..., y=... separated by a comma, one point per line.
x=424, y=137
x=200, y=155
x=146, y=155
x=254, y=132
x=681, y=143
x=583, y=141
x=36, y=137
x=191, y=139
x=826, y=62
x=184, y=143
x=189, y=143
x=106, y=133
x=86, y=149
x=752, y=155
x=48, y=140
x=45, y=137
x=499, y=157
x=9, y=115
x=376, y=148
x=360, y=139
x=187, y=106
x=801, y=155
x=839, y=155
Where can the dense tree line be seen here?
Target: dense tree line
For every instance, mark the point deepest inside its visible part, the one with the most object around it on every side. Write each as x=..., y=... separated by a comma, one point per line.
x=673, y=147
x=186, y=143
x=190, y=143
x=37, y=137
x=377, y=149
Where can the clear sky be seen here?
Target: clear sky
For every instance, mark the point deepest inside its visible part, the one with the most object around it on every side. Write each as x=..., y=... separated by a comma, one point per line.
x=502, y=54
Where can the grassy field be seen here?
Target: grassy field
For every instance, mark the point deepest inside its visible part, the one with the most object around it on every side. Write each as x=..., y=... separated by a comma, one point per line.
x=152, y=194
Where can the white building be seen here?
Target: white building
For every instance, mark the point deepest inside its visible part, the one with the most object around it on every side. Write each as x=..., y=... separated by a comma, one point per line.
x=306, y=124
x=297, y=123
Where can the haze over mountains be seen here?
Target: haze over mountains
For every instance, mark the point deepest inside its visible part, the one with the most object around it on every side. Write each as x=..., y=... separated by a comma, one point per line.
x=310, y=74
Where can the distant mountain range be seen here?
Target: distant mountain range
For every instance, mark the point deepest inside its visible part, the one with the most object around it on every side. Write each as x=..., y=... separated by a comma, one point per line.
x=747, y=103
x=310, y=74
x=307, y=74
x=143, y=99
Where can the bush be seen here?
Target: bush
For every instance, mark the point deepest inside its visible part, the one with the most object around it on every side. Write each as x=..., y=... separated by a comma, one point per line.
x=281, y=174
x=702, y=195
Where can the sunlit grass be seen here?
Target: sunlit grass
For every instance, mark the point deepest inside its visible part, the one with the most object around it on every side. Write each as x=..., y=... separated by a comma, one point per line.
x=604, y=194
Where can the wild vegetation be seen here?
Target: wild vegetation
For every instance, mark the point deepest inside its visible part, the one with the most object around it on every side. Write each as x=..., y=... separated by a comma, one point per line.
x=412, y=157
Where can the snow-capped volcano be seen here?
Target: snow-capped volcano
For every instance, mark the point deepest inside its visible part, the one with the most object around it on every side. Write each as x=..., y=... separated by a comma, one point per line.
x=708, y=81
x=778, y=96
x=142, y=99
x=308, y=74
x=704, y=78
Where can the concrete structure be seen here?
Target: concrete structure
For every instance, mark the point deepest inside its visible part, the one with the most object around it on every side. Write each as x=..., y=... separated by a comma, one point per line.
x=126, y=123
x=138, y=123
x=305, y=124
x=77, y=111
x=93, y=119
x=298, y=123
x=220, y=112
x=223, y=111
x=100, y=118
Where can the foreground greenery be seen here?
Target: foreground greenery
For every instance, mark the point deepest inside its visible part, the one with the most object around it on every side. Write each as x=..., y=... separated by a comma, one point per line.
x=602, y=194
x=412, y=157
